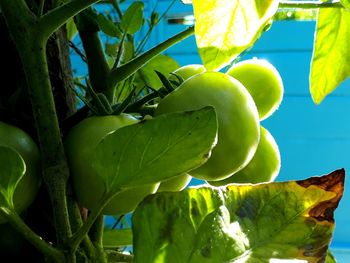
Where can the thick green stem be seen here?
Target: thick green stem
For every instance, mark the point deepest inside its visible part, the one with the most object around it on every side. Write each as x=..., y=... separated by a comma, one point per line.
x=57, y=17
x=309, y=4
x=17, y=222
x=126, y=70
x=97, y=64
x=31, y=48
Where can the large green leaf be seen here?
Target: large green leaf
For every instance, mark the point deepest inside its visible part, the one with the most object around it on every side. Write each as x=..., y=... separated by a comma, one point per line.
x=330, y=62
x=239, y=223
x=226, y=28
x=12, y=169
x=155, y=149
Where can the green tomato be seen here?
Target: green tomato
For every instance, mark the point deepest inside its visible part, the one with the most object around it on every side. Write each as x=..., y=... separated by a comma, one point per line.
x=188, y=71
x=238, y=120
x=263, y=82
x=88, y=186
x=175, y=184
x=264, y=167
x=21, y=142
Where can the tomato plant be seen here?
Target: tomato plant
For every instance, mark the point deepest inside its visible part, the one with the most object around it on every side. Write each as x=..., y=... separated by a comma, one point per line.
x=263, y=82
x=80, y=142
x=28, y=187
x=134, y=129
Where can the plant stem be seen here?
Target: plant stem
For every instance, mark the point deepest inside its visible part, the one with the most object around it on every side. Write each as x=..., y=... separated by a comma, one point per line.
x=126, y=70
x=57, y=17
x=96, y=235
x=79, y=235
x=97, y=64
x=31, y=47
x=309, y=4
x=17, y=222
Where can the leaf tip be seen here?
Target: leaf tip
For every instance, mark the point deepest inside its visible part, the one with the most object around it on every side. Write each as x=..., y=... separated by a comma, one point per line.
x=332, y=182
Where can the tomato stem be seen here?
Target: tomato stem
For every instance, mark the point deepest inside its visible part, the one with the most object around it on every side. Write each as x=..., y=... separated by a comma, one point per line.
x=309, y=4
x=31, y=46
x=119, y=74
x=96, y=61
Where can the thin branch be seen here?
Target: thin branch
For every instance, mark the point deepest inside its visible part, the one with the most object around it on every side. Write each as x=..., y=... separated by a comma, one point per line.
x=309, y=4
x=126, y=70
x=78, y=51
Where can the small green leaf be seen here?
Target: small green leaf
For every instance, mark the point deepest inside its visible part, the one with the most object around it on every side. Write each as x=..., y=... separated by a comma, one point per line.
x=108, y=27
x=71, y=29
x=162, y=63
x=226, y=28
x=11, y=172
x=330, y=61
x=239, y=223
x=155, y=149
x=132, y=19
x=114, y=238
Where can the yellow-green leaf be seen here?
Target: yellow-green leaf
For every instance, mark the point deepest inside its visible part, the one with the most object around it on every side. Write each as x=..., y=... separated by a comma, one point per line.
x=330, y=62
x=225, y=28
x=239, y=223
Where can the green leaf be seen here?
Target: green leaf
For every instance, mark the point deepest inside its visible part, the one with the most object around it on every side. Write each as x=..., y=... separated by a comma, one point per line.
x=155, y=149
x=132, y=19
x=71, y=29
x=147, y=76
x=239, y=223
x=114, y=238
x=11, y=172
x=330, y=258
x=108, y=27
x=330, y=61
x=226, y=28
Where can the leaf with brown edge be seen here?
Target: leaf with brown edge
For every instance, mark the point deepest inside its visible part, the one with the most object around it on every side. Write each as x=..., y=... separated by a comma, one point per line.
x=239, y=222
x=333, y=182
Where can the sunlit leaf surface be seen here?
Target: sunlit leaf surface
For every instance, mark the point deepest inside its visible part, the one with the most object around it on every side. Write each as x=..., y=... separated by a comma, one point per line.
x=330, y=62
x=155, y=149
x=239, y=223
x=225, y=28
x=12, y=169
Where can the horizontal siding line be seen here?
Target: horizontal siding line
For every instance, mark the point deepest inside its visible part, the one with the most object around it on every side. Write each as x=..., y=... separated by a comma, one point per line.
x=290, y=139
x=267, y=51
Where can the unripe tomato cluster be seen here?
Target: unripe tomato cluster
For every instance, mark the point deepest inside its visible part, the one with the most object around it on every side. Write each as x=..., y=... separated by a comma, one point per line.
x=246, y=152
